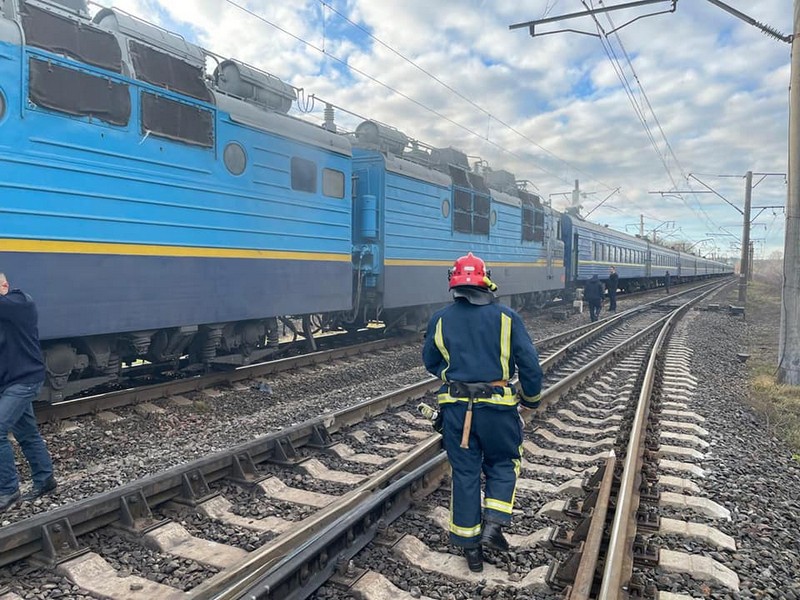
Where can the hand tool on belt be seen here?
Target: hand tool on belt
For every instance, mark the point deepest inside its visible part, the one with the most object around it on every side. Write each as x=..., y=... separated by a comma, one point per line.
x=459, y=389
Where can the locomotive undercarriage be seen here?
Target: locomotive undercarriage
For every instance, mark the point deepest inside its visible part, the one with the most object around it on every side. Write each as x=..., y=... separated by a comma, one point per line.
x=75, y=366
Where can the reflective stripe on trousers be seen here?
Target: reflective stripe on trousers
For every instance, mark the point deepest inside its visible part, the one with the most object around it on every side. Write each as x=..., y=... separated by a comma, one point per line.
x=495, y=446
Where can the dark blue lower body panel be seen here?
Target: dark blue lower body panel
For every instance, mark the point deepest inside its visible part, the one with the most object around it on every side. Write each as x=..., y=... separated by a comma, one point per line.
x=92, y=294
x=406, y=286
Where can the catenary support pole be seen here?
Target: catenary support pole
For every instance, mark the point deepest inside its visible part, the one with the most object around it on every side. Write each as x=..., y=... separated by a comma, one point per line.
x=789, y=348
x=745, y=258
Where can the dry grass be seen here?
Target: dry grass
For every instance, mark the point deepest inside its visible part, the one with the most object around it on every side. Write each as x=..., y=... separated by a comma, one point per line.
x=779, y=404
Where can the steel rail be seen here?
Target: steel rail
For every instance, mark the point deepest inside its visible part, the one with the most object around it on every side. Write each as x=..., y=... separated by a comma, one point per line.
x=590, y=552
x=25, y=538
x=263, y=578
x=618, y=563
x=288, y=553
x=591, y=329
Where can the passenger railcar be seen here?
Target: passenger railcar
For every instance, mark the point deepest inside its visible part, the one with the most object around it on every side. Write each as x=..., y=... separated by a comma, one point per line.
x=592, y=249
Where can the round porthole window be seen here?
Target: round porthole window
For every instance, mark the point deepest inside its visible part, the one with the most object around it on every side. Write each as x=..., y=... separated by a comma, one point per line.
x=445, y=208
x=493, y=218
x=235, y=158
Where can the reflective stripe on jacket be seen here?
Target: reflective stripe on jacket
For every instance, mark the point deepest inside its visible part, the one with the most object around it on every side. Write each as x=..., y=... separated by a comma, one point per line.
x=487, y=343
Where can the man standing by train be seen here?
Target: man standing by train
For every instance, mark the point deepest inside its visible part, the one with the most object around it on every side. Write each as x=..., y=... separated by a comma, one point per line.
x=475, y=345
x=21, y=378
x=613, y=283
x=593, y=294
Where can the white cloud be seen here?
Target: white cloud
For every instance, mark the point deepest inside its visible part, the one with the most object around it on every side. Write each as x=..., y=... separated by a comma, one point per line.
x=717, y=85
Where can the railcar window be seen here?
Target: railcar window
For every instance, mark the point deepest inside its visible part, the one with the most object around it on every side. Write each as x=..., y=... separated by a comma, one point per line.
x=304, y=175
x=532, y=217
x=168, y=72
x=78, y=40
x=177, y=121
x=462, y=221
x=77, y=93
x=333, y=183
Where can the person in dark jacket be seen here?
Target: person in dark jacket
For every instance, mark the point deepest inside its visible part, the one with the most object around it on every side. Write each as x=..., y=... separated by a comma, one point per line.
x=667, y=281
x=475, y=345
x=21, y=377
x=593, y=294
x=613, y=284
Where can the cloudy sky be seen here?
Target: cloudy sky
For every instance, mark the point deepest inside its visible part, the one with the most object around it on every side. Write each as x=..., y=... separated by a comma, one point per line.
x=693, y=92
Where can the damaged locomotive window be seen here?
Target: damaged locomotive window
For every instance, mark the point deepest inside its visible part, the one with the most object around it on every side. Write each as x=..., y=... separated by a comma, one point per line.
x=528, y=220
x=77, y=93
x=168, y=72
x=532, y=217
x=72, y=38
x=177, y=121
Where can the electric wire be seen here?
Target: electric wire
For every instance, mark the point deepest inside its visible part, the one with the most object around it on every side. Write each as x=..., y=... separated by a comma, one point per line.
x=638, y=110
x=646, y=98
x=462, y=96
x=393, y=90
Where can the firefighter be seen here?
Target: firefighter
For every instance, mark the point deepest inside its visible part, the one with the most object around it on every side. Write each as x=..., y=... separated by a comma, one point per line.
x=475, y=345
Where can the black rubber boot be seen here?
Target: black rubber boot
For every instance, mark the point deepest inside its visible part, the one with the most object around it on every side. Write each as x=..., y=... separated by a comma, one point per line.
x=493, y=537
x=35, y=492
x=474, y=559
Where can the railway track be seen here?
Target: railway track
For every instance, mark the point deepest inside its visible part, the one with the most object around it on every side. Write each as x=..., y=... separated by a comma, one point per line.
x=322, y=455
x=107, y=401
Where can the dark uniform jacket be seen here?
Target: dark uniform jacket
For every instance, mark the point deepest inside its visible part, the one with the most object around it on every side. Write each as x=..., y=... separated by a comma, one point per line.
x=483, y=344
x=613, y=283
x=593, y=291
x=20, y=353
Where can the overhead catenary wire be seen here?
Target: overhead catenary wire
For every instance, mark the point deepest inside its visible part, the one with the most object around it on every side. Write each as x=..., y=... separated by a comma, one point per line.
x=638, y=110
x=424, y=106
x=394, y=90
x=646, y=98
x=490, y=116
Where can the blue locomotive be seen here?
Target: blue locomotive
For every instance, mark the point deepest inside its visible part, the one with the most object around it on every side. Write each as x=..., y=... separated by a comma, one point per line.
x=156, y=212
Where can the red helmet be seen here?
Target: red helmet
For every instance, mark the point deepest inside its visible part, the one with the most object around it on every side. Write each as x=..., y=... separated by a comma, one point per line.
x=469, y=270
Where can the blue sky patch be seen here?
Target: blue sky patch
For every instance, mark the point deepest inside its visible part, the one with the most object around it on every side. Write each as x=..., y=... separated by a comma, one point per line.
x=584, y=87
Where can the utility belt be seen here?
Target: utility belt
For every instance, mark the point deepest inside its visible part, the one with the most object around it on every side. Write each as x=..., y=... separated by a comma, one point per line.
x=494, y=393
x=498, y=393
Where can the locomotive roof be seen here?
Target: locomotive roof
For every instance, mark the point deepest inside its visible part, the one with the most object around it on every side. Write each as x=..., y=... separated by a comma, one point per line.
x=281, y=124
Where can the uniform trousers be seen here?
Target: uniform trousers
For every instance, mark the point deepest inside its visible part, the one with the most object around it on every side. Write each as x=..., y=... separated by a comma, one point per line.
x=495, y=447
